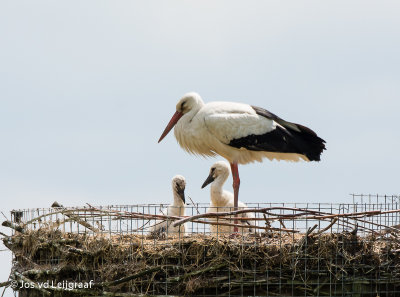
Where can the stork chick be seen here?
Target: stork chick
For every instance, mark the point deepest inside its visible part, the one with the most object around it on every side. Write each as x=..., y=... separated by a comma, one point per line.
x=223, y=201
x=177, y=208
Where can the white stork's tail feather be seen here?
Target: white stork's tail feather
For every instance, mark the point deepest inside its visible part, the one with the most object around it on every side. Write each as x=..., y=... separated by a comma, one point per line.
x=308, y=141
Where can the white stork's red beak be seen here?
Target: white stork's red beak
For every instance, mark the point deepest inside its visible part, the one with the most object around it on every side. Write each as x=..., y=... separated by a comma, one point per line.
x=175, y=118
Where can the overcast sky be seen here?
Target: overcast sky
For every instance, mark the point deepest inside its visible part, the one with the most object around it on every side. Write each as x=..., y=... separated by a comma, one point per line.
x=87, y=87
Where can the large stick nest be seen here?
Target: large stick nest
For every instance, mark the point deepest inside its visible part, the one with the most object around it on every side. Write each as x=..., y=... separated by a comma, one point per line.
x=273, y=263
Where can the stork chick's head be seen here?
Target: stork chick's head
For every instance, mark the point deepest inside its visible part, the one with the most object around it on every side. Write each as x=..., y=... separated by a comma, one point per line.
x=220, y=170
x=189, y=101
x=178, y=186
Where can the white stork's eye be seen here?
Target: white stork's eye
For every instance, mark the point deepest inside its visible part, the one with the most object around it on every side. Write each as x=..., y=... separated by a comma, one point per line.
x=212, y=172
x=183, y=106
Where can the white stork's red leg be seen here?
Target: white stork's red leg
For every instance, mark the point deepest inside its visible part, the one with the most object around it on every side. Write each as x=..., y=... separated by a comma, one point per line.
x=236, y=185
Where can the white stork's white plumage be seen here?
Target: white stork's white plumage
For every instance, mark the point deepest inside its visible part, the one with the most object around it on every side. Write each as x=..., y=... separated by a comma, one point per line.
x=221, y=200
x=177, y=208
x=240, y=133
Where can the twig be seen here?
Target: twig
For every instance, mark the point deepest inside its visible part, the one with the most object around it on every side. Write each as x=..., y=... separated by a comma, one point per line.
x=128, y=278
x=4, y=290
x=236, y=212
x=5, y=284
x=48, y=214
x=219, y=223
x=135, y=215
x=284, y=227
x=311, y=229
x=388, y=229
x=78, y=251
x=194, y=204
x=76, y=218
x=326, y=228
x=197, y=272
x=13, y=226
x=4, y=216
x=4, y=235
x=303, y=240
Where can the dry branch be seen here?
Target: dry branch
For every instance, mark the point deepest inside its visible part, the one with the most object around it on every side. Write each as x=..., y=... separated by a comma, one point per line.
x=75, y=218
x=128, y=278
x=326, y=228
x=14, y=226
x=197, y=272
x=5, y=284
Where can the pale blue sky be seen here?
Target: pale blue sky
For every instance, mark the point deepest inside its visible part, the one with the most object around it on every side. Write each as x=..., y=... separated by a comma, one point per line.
x=86, y=89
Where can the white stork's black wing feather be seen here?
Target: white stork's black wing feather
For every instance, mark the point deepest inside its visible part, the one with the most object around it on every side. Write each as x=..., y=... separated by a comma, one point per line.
x=286, y=138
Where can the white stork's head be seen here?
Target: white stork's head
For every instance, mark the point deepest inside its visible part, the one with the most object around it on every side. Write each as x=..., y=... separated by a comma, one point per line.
x=178, y=187
x=220, y=170
x=189, y=101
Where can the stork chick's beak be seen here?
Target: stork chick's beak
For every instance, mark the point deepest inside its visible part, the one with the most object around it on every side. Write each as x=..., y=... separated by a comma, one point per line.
x=175, y=118
x=181, y=192
x=208, y=181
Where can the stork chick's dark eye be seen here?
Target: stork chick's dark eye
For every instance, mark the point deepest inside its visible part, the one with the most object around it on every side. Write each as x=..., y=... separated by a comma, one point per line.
x=183, y=105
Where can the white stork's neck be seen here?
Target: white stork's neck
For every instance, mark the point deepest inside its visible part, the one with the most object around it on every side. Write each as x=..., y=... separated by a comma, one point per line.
x=186, y=131
x=178, y=200
x=217, y=197
x=178, y=207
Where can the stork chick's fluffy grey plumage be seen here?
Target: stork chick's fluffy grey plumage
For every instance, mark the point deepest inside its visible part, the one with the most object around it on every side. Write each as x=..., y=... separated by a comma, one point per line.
x=221, y=200
x=177, y=208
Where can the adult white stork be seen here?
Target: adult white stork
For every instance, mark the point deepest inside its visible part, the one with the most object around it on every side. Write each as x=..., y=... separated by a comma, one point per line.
x=240, y=133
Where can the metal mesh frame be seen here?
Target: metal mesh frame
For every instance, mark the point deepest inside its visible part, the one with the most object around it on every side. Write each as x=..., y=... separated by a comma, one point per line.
x=368, y=216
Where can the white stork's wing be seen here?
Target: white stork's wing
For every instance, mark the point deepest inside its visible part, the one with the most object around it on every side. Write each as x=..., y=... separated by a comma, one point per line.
x=236, y=121
x=256, y=129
